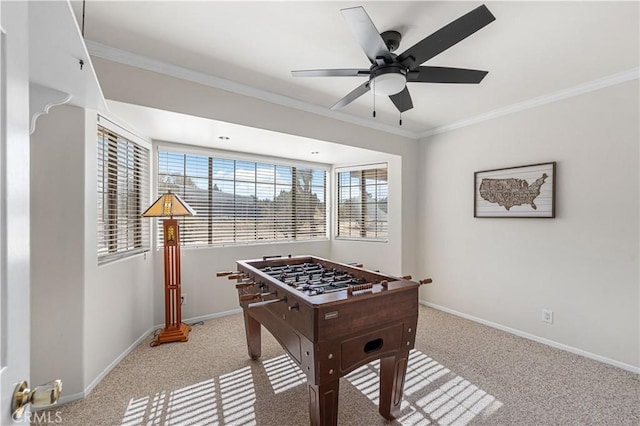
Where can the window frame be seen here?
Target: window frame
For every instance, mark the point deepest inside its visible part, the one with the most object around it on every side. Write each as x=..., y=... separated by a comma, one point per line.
x=336, y=201
x=186, y=149
x=142, y=237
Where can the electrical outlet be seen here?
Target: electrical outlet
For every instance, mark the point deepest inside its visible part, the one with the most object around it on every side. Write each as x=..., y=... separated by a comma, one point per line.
x=183, y=298
x=547, y=316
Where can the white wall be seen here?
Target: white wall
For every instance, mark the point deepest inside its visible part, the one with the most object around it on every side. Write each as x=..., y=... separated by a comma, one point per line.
x=128, y=84
x=57, y=248
x=583, y=264
x=118, y=311
x=118, y=296
x=84, y=316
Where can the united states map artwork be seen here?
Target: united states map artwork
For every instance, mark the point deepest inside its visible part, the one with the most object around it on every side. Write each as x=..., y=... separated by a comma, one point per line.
x=511, y=192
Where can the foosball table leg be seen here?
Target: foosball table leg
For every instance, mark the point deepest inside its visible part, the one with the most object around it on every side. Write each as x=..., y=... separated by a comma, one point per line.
x=323, y=403
x=392, y=373
x=252, y=329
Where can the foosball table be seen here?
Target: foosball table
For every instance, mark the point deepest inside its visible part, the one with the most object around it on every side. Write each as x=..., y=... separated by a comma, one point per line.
x=331, y=318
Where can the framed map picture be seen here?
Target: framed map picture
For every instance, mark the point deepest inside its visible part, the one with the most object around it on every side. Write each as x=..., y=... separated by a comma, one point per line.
x=525, y=191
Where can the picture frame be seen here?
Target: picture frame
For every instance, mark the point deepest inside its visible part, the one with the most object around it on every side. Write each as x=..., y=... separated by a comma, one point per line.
x=516, y=192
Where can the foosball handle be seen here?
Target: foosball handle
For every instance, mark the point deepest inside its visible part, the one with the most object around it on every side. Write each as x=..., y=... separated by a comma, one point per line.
x=235, y=275
x=245, y=285
x=426, y=281
x=248, y=297
x=224, y=273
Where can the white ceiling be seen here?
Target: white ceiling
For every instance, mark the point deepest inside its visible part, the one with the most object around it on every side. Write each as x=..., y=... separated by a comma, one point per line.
x=532, y=49
x=167, y=126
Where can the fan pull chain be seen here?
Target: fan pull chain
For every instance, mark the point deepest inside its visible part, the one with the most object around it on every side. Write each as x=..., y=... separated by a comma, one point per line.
x=374, y=98
x=83, y=5
x=81, y=62
x=401, y=118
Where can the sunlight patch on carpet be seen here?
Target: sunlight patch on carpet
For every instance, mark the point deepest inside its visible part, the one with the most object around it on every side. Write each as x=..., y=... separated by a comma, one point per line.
x=455, y=402
x=433, y=395
x=229, y=399
x=283, y=373
x=136, y=411
x=238, y=397
x=192, y=404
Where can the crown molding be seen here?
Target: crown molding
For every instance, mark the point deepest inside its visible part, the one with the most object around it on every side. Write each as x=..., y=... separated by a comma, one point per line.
x=144, y=62
x=150, y=64
x=580, y=89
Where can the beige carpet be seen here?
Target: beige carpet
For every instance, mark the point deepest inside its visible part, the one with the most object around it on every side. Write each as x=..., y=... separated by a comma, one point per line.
x=460, y=373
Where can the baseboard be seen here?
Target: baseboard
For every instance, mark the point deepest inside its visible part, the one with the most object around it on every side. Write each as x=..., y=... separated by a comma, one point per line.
x=211, y=316
x=80, y=395
x=69, y=398
x=535, y=338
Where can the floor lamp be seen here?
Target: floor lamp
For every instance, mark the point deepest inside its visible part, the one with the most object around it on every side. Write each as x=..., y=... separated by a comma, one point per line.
x=169, y=205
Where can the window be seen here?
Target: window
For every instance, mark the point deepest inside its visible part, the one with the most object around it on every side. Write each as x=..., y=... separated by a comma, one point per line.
x=123, y=194
x=362, y=203
x=241, y=202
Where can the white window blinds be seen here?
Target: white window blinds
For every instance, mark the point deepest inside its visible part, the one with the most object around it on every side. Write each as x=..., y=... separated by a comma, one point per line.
x=362, y=204
x=123, y=194
x=239, y=202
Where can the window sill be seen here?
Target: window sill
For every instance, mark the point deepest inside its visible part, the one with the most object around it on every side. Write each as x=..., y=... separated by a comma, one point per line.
x=363, y=240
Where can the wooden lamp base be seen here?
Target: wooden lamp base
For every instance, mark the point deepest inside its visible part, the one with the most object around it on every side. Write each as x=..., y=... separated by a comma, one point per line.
x=172, y=334
x=170, y=205
x=175, y=330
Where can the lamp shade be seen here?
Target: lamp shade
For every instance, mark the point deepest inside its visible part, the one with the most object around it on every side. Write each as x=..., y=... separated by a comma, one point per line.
x=169, y=205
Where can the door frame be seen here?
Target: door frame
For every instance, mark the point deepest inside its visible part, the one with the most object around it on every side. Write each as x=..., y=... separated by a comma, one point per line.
x=14, y=205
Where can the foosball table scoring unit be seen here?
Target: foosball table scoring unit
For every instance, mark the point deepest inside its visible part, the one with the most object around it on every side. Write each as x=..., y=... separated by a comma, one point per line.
x=331, y=318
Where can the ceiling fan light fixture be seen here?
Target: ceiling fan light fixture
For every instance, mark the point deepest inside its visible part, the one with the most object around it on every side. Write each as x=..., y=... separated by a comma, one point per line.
x=389, y=84
x=388, y=72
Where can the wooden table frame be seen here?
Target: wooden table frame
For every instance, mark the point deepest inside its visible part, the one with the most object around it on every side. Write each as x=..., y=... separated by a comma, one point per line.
x=330, y=335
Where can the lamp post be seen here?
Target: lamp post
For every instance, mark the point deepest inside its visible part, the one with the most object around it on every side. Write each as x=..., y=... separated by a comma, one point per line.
x=167, y=206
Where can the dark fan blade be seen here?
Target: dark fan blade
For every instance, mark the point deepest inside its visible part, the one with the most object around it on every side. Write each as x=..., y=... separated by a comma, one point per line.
x=446, y=37
x=366, y=33
x=353, y=95
x=402, y=100
x=331, y=73
x=445, y=75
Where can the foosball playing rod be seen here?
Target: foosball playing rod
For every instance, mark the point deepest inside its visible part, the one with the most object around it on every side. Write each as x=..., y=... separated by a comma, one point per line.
x=265, y=303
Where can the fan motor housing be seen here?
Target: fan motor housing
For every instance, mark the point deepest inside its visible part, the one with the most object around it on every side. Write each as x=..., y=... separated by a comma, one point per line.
x=378, y=70
x=389, y=78
x=391, y=39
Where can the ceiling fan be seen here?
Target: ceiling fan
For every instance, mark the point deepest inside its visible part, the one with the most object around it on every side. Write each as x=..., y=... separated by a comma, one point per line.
x=389, y=73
